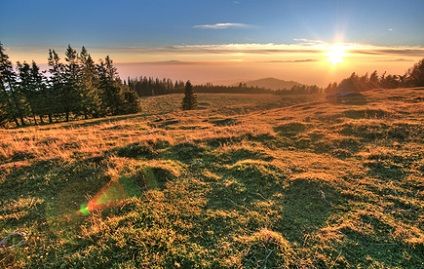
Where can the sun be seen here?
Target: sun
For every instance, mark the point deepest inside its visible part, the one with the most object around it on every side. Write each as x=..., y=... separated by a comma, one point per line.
x=336, y=53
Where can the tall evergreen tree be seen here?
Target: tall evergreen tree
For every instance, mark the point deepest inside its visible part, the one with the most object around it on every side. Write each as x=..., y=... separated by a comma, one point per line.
x=72, y=87
x=189, y=100
x=415, y=75
x=40, y=90
x=129, y=100
x=109, y=87
x=374, y=80
x=9, y=96
x=55, y=92
x=27, y=90
x=91, y=100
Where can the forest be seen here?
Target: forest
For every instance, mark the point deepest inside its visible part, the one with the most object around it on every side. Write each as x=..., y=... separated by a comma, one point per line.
x=75, y=88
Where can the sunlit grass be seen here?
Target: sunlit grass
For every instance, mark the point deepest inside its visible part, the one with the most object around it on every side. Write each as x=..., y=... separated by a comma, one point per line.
x=245, y=181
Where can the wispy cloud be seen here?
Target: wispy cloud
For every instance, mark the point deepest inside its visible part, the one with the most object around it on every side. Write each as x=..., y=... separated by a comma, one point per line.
x=171, y=62
x=294, y=61
x=222, y=26
x=303, y=50
x=306, y=41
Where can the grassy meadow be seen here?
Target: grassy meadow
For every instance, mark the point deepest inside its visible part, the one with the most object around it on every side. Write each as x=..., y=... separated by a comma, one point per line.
x=244, y=181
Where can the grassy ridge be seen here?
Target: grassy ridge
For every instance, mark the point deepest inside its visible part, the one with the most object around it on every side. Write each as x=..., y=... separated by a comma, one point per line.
x=246, y=181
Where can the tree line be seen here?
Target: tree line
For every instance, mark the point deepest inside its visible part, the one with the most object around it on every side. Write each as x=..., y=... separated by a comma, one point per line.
x=414, y=77
x=149, y=86
x=75, y=88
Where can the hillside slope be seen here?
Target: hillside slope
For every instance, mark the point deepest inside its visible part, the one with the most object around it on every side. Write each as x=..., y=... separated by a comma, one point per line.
x=243, y=182
x=272, y=83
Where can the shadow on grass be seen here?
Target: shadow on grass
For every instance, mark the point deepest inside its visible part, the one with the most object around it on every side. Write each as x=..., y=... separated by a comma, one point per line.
x=135, y=150
x=367, y=114
x=386, y=171
x=224, y=122
x=348, y=99
x=185, y=152
x=246, y=182
x=91, y=122
x=291, y=129
x=234, y=156
x=59, y=185
x=307, y=205
x=378, y=248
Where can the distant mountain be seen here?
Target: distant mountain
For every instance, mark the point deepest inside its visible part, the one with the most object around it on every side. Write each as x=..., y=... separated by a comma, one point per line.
x=271, y=83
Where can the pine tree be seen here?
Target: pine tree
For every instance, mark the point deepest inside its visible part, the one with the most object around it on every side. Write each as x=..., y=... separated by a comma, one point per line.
x=189, y=100
x=374, y=80
x=9, y=98
x=109, y=87
x=27, y=90
x=91, y=100
x=55, y=92
x=38, y=80
x=416, y=75
x=129, y=100
x=72, y=86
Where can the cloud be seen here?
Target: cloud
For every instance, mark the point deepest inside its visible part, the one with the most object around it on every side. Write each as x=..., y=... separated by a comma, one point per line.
x=306, y=41
x=294, y=61
x=407, y=51
x=192, y=54
x=171, y=62
x=247, y=48
x=396, y=60
x=222, y=26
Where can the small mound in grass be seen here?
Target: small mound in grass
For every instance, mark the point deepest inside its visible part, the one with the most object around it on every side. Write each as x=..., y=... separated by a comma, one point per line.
x=225, y=122
x=154, y=174
x=267, y=249
x=378, y=131
x=256, y=172
x=385, y=170
x=235, y=155
x=22, y=155
x=365, y=131
x=186, y=152
x=291, y=129
x=257, y=176
x=367, y=114
x=136, y=150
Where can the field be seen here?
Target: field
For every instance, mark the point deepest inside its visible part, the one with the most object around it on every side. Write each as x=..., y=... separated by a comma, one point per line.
x=245, y=181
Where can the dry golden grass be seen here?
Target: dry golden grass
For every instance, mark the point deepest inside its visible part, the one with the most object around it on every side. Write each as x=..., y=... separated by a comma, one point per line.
x=248, y=181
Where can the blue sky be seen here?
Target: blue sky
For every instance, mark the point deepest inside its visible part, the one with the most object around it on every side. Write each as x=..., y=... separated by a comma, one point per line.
x=165, y=22
x=223, y=40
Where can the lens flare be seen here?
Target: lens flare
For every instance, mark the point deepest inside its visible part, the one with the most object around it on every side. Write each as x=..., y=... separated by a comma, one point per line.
x=111, y=194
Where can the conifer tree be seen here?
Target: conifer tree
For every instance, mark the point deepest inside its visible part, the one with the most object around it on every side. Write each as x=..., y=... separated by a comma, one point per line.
x=72, y=87
x=91, y=100
x=10, y=101
x=56, y=86
x=189, y=100
x=27, y=90
x=129, y=100
x=374, y=80
x=415, y=75
x=38, y=80
x=109, y=87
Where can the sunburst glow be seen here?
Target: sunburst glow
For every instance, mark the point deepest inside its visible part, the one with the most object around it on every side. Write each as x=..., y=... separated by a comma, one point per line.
x=336, y=53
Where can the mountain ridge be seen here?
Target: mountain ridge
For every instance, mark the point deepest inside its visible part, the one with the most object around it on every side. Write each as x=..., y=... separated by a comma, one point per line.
x=271, y=83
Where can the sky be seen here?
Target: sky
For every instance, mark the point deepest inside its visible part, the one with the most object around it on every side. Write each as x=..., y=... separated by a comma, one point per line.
x=223, y=41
